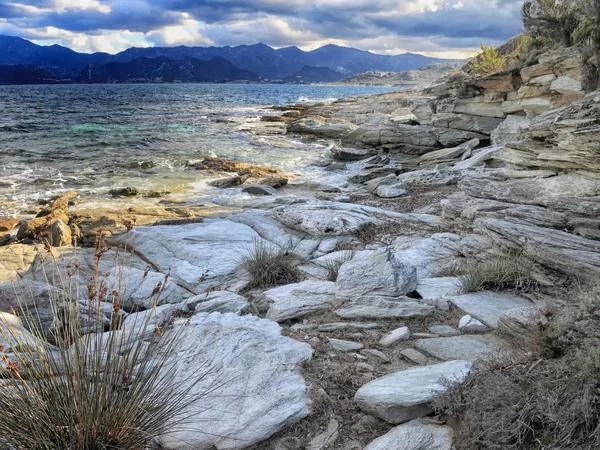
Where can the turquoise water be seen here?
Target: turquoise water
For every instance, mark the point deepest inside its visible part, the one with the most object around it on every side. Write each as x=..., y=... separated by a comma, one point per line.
x=93, y=137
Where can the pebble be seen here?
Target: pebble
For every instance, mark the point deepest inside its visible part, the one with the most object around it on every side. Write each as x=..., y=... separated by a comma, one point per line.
x=400, y=334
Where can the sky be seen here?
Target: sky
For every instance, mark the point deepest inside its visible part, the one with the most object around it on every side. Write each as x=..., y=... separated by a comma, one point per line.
x=440, y=28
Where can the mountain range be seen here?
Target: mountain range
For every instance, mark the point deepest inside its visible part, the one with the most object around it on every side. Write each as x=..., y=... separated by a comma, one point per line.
x=259, y=61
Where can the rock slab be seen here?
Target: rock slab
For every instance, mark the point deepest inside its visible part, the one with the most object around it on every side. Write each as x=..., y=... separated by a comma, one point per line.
x=415, y=435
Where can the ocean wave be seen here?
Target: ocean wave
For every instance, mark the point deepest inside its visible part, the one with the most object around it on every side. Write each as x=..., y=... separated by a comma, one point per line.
x=316, y=100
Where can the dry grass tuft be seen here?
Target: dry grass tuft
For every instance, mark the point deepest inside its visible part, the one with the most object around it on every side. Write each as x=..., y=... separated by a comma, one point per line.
x=511, y=270
x=268, y=266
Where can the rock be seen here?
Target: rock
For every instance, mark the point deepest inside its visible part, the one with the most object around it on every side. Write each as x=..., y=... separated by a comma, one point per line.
x=448, y=154
x=298, y=300
x=351, y=154
x=377, y=354
x=200, y=255
x=478, y=107
x=567, y=86
x=431, y=256
x=60, y=203
x=218, y=301
x=274, y=182
x=320, y=126
x=144, y=325
x=522, y=322
x=412, y=139
x=124, y=192
x=443, y=177
x=326, y=438
x=370, y=174
x=469, y=325
x=466, y=122
x=342, y=326
x=251, y=372
x=417, y=357
x=15, y=338
x=60, y=234
x=136, y=288
x=572, y=254
x=230, y=182
x=8, y=223
x=259, y=189
x=534, y=106
x=488, y=306
x=444, y=330
x=15, y=259
x=432, y=290
x=400, y=334
x=391, y=190
x=321, y=219
x=415, y=435
x=383, y=308
x=32, y=228
x=376, y=183
x=213, y=164
x=5, y=239
x=508, y=130
x=467, y=347
x=407, y=394
x=478, y=158
x=375, y=273
x=344, y=346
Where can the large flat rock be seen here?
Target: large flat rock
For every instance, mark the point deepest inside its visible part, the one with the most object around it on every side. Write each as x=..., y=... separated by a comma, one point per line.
x=468, y=347
x=415, y=435
x=199, y=255
x=373, y=307
x=250, y=377
x=407, y=394
x=487, y=307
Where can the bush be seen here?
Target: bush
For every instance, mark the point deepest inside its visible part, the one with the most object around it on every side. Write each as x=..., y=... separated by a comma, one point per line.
x=268, y=266
x=488, y=61
x=513, y=270
x=547, y=398
x=95, y=392
x=333, y=264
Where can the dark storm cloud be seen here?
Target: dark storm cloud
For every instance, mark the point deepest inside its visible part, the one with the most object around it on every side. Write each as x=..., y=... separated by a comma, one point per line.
x=229, y=21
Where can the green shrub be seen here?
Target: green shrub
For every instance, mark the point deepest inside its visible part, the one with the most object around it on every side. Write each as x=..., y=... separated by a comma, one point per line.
x=268, y=266
x=512, y=269
x=544, y=398
x=488, y=61
x=97, y=391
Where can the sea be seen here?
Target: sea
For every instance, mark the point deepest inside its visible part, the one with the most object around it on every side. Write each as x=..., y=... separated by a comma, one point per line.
x=93, y=138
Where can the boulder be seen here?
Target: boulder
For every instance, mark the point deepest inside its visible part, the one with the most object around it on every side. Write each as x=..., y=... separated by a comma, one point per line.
x=298, y=300
x=230, y=182
x=415, y=435
x=60, y=234
x=274, y=182
x=407, y=394
x=124, y=192
x=147, y=325
x=566, y=85
x=375, y=273
x=250, y=388
x=351, y=154
x=30, y=229
x=391, y=190
x=508, y=130
x=60, y=203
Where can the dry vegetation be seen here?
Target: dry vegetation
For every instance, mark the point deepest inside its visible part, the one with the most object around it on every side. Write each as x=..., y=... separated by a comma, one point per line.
x=544, y=398
x=268, y=266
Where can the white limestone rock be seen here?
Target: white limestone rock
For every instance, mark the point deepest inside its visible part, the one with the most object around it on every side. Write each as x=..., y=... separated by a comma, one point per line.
x=468, y=324
x=218, y=301
x=407, y=394
x=488, y=306
x=415, y=435
x=399, y=334
x=293, y=301
x=251, y=373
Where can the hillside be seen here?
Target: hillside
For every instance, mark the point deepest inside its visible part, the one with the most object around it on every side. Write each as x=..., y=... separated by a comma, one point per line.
x=164, y=70
x=419, y=77
x=25, y=74
x=310, y=74
x=269, y=63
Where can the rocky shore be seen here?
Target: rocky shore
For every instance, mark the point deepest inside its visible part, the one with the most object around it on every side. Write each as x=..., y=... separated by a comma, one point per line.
x=436, y=181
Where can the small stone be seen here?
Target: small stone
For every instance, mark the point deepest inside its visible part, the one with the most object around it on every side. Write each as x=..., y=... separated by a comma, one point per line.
x=274, y=182
x=470, y=325
x=259, y=189
x=332, y=327
x=444, y=330
x=124, y=192
x=327, y=438
x=413, y=355
x=229, y=182
x=425, y=336
x=364, y=367
x=377, y=354
x=400, y=334
x=415, y=435
x=345, y=346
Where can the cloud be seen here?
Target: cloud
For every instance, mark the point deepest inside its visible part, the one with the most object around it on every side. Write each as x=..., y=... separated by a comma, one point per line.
x=435, y=27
